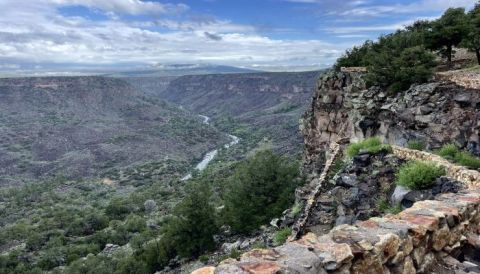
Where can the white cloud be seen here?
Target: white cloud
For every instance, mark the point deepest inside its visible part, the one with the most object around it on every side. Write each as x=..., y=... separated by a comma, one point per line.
x=36, y=34
x=354, y=30
x=363, y=8
x=134, y=7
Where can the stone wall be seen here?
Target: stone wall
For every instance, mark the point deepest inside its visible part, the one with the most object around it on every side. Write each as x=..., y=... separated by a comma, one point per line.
x=412, y=241
x=464, y=79
x=299, y=226
x=353, y=69
x=470, y=178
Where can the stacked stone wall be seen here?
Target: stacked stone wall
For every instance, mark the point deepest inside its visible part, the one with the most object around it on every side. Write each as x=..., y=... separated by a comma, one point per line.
x=464, y=79
x=411, y=242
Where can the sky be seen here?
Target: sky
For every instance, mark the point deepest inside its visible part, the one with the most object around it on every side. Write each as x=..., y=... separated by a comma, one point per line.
x=85, y=36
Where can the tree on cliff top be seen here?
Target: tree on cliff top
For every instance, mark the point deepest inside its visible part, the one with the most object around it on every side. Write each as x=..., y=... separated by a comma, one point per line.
x=472, y=39
x=447, y=32
x=396, y=60
x=397, y=70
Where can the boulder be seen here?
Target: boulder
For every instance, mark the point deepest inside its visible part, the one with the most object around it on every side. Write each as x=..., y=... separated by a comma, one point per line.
x=398, y=194
x=347, y=180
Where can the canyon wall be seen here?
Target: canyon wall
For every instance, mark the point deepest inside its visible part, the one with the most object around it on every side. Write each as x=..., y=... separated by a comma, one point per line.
x=343, y=108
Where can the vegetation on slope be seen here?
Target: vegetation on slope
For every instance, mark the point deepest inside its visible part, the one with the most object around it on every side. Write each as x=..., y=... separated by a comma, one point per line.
x=453, y=153
x=83, y=127
x=371, y=145
x=261, y=189
x=69, y=223
x=419, y=174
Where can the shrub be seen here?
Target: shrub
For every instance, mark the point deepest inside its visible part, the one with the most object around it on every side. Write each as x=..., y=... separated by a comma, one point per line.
x=131, y=265
x=117, y=208
x=150, y=206
x=419, y=174
x=385, y=207
x=191, y=230
x=235, y=254
x=453, y=153
x=395, y=61
x=135, y=223
x=416, y=145
x=448, y=151
x=372, y=145
x=157, y=254
x=399, y=68
x=204, y=259
x=467, y=160
x=281, y=236
x=296, y=209
x=262, y=187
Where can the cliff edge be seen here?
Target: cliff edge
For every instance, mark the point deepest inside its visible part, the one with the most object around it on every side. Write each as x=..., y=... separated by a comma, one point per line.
x=435, y=113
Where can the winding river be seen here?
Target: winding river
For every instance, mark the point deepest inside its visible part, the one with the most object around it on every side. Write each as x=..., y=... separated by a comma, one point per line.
x=211, y=154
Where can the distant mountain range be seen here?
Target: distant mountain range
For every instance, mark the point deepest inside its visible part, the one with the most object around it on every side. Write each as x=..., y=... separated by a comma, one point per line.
x=181, y=70
x=128, y=70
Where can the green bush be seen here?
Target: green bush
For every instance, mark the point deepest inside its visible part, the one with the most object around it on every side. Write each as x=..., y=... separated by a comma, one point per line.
x=453, y=153
x=448, y=151
x=135, y=223
x=235, y=254
x=281, y=236
x=157, y=254
x=262, y=187
x=416, y=145
x=467, y=160
x=385, y=207
x=191, y=230
x=372, y=145
x=118, y=208
x=131, y=265
x=204, y=259
x=419, y=174
x=394, y=61
x=296, y=210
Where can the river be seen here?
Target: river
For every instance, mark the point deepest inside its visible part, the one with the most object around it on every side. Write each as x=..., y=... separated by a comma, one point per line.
x=211, y=154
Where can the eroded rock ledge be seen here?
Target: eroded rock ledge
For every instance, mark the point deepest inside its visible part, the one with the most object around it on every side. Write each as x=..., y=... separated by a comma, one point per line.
x=434, y=113
x=413, y=241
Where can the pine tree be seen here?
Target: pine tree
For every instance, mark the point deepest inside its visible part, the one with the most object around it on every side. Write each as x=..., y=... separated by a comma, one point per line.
x=447, y=32
x=472, y=39
x=261, y=189
x=194, y=224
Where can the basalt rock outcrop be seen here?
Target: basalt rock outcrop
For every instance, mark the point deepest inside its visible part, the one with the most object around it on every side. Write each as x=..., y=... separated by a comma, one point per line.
x=433, y=113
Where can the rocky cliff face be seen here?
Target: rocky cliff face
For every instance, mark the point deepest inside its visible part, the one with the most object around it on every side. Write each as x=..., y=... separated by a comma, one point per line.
x=344, y=108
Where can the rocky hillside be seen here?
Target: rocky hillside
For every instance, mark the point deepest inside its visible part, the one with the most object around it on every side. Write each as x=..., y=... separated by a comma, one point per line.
x=87, y=126
x=262, y=104
x=434, y=114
